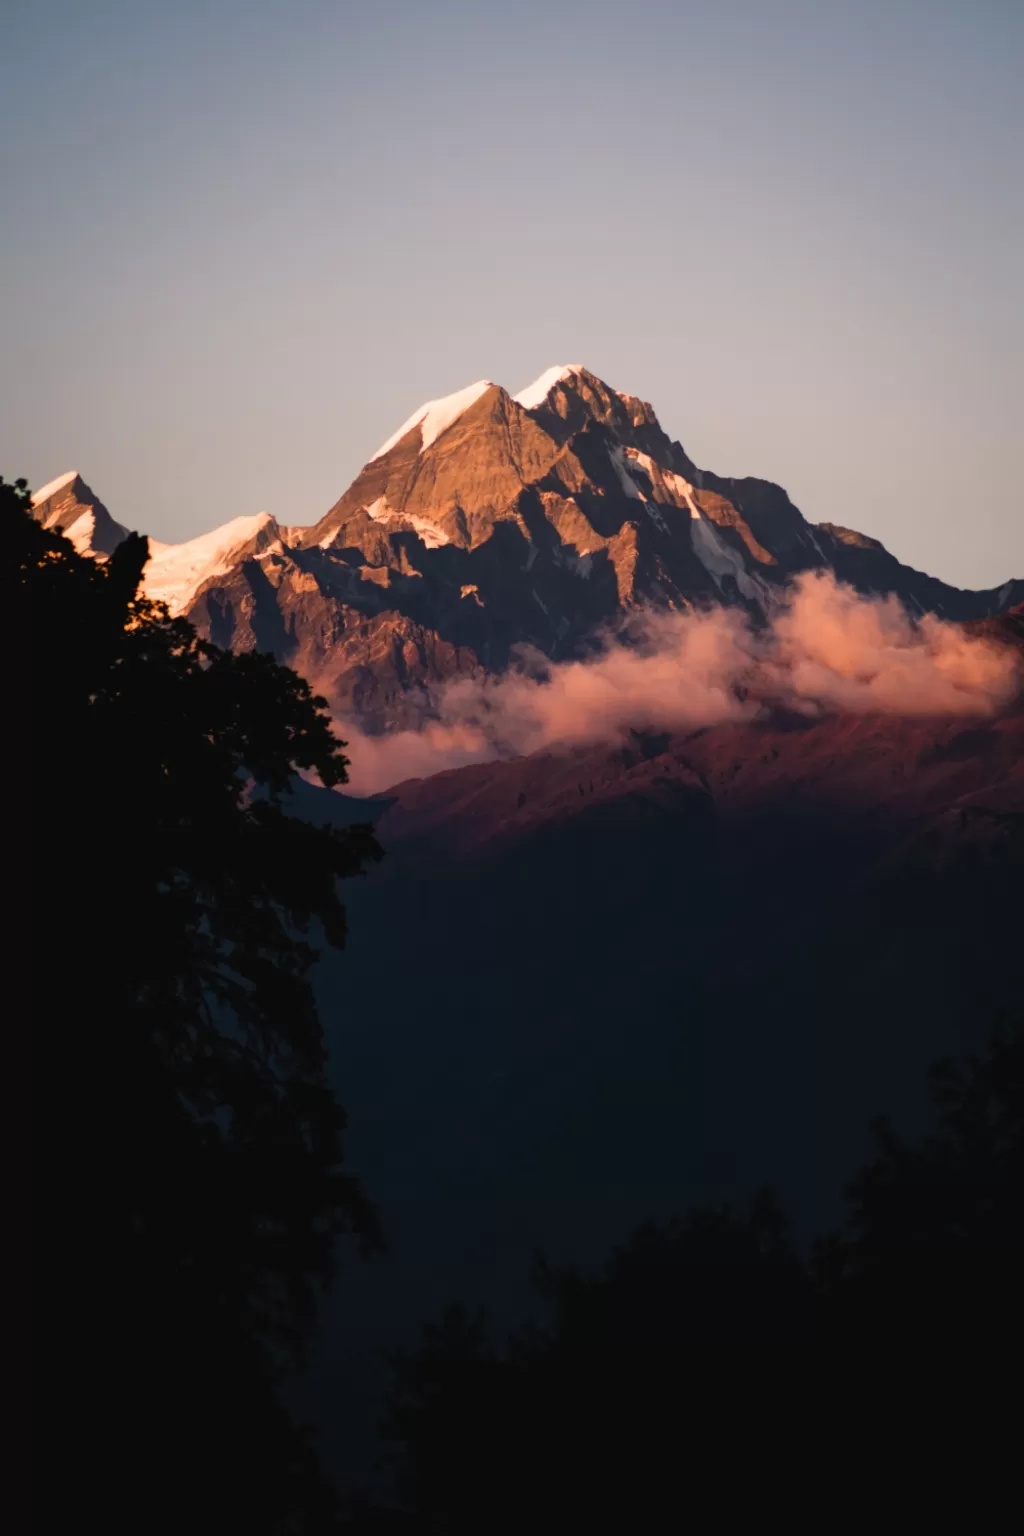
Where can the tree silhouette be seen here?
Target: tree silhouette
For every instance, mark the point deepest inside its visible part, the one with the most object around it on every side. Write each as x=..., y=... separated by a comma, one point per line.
x=187, y=1142
x=712, y=1372
x=932, y=1276
x=656, y=1385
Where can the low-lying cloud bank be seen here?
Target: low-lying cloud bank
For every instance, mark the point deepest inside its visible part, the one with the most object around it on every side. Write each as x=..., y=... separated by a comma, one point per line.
x=826, y=649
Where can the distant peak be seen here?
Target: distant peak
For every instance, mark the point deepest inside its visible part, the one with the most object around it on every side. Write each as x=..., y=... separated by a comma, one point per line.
x=175, y=572
x=536, y=393
x=53, y=486
x=435, y=417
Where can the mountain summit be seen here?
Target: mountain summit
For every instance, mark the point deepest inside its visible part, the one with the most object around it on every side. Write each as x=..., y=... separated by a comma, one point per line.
x=488, y=521
x=69, y=506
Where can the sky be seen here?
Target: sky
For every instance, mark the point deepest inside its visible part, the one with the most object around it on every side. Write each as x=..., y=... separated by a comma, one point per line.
x=244, y=239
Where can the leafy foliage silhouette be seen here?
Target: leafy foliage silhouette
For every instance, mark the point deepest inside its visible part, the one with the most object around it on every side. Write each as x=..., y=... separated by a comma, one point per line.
x=189, y=1145
x=712, y=1371
x=931, y=1278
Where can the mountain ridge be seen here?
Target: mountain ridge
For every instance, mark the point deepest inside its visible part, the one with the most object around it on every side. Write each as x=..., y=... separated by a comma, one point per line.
x=484, y=524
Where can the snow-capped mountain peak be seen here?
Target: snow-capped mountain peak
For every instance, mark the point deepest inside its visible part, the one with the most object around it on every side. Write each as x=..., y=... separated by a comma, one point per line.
x=175, y=572
x=435, y=417
x=536, y=393
x=69, y=506
x=49, y=490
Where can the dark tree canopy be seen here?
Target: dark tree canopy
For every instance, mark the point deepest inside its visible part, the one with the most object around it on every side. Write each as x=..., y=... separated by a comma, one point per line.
x=188, y=1143
x=672, y=1377
x=711, y=1373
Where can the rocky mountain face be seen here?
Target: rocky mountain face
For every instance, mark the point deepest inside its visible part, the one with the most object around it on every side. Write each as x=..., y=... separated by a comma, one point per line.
x=490, y=521
x=69, y=505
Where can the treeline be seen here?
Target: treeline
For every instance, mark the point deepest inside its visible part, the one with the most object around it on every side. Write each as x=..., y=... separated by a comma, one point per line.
x=714, y=1373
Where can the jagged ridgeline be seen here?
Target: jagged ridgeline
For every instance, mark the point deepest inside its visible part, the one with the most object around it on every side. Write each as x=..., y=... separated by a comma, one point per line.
x=489, y=521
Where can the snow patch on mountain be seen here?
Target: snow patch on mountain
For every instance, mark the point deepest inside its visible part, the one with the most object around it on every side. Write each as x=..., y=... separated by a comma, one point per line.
x=719, y=559
x=435, y=417
x=651, y=470
x=621, y=468
x=431, y=535
x=536, y=393
x=682, y=488
x=82, y=531
x=175, y=572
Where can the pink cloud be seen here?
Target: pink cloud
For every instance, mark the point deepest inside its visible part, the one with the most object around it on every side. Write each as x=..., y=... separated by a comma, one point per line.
x=826, y=649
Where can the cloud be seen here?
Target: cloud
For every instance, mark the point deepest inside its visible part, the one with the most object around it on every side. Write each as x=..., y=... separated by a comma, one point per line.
x=825, y=649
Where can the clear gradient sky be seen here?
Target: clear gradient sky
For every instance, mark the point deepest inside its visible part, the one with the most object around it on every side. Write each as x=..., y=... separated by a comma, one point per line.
x=243, y=239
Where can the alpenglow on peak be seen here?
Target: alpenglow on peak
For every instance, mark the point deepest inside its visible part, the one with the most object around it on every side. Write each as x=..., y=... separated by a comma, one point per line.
x=436, y=416
x=536, y=393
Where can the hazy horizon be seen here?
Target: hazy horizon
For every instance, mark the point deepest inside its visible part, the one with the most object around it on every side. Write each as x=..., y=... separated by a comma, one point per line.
x=246, y=240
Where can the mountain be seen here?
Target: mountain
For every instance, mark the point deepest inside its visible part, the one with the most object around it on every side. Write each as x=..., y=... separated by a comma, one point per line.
x=176, y=572
x=69, y=505
x=488, y=521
